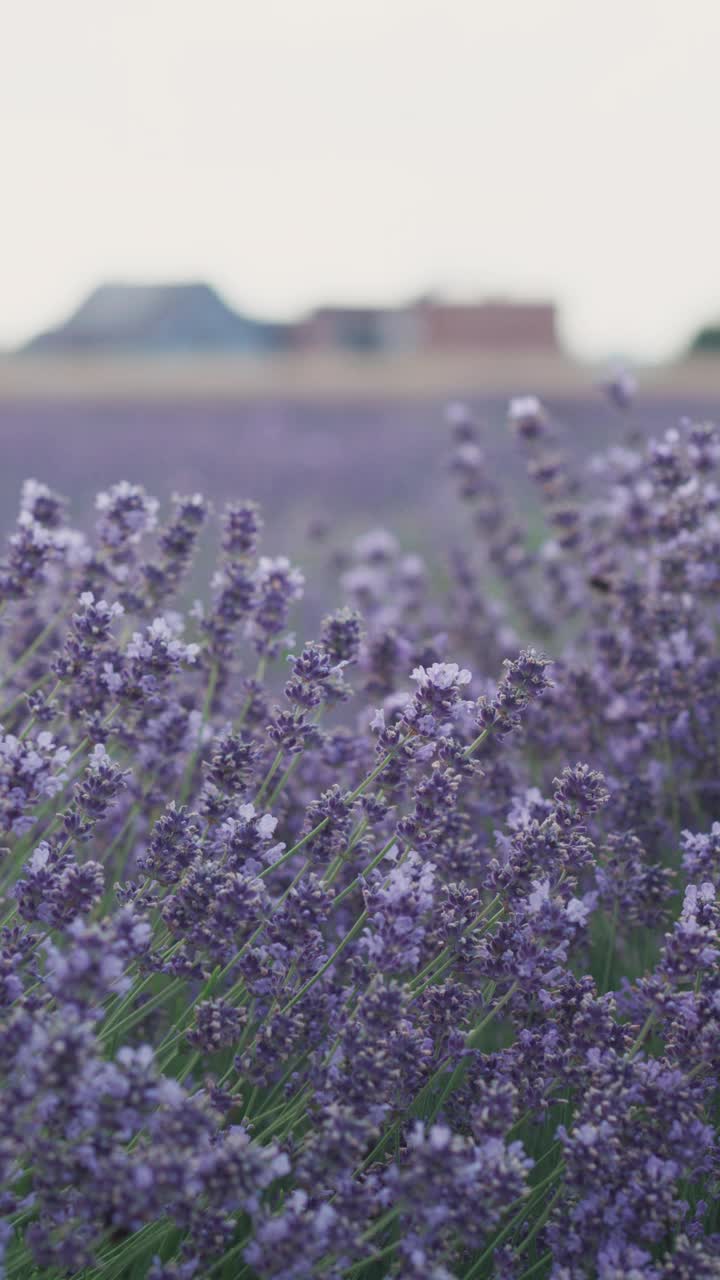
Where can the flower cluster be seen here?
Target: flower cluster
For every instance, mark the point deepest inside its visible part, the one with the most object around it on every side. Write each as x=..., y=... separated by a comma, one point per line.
x=395, y=952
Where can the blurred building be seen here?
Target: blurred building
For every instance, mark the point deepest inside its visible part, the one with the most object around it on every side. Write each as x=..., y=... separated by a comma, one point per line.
x=185, y=317
x=430, y=324
x=159, y=318
x=345, y=328
x=517, y=326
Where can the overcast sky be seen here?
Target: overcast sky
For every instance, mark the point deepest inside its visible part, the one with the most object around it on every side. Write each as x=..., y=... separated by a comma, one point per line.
x=292, y=151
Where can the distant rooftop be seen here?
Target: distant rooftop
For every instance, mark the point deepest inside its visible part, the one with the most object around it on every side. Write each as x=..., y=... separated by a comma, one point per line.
x=156, y=317
x=119, y=308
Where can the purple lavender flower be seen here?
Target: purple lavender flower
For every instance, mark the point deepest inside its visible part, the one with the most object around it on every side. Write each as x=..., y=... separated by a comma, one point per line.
x=242, y=526
x=96, y=960
x=527, y=416
x=621, y=388
x=523, y=681
x=217, y=1024
x=453, y=1187
x=277, y=584
x=126, y=513
x=295, y=988
x=215, y=909
x=30, y=771
x=55, y=889
x=397, y=907
x=701, y=854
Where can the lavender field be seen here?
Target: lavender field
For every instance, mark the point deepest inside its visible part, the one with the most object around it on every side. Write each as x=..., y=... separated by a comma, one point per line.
x=356, y=465
x=359, y=890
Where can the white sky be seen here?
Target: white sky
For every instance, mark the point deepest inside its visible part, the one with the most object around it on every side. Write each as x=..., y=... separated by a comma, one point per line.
x=292, y=151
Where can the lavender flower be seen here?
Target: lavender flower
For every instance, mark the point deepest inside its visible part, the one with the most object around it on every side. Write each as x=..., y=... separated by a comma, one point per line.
x=55, y=889
x=527, y=416
x=126, y=513
x=397, y=908
x=523, y=681
x=30, y=770
x=296, y=970
x=621, y=388
x=277, y=584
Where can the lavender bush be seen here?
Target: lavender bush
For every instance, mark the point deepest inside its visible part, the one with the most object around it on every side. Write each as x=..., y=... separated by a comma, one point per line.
x=392, y=953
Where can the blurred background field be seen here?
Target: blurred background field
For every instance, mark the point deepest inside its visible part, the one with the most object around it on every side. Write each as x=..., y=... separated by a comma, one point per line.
x=344, y=443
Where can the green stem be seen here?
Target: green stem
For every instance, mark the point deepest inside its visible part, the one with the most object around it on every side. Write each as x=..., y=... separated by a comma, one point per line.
x=192, y=762
x=528, y=1202
x=439, y=963
x=365, y=871
x=427, y=1089
x=231, y=1253
x=31, y=649
x=610, y=949
x=537, y=1266
x=349, y=936
x=470, y=751
x=137, y=1015
x=359, y=790
x=472, y=1041
x=641, y=1037
x=381, y=1254
x=269, y=776
x=540, y=1222
x=284, y=779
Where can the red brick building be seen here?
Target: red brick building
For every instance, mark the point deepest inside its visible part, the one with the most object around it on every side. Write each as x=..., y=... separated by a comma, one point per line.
x=432, y=325
x=508, y=326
